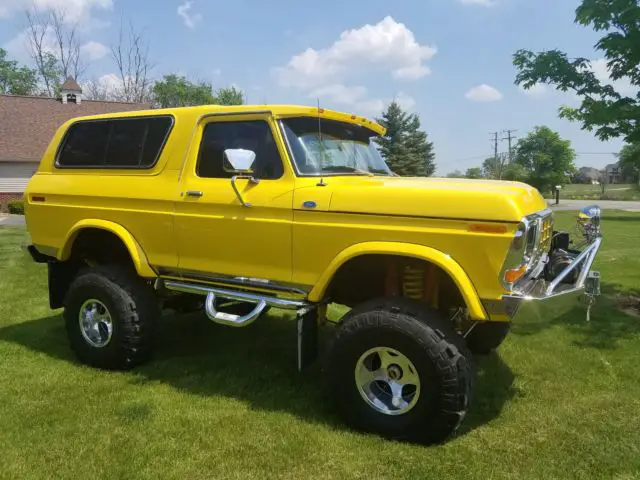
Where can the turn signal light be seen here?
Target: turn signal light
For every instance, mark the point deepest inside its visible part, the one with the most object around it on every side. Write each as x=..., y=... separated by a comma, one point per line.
x=515, y=274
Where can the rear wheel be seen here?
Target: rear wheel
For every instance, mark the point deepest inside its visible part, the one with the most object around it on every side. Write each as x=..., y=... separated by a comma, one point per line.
x=397, y=368
x=486, y=337
x=110, y=316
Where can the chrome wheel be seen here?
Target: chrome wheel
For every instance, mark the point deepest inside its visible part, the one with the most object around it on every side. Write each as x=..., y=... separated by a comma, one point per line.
x=95, y=323
x=387, y=381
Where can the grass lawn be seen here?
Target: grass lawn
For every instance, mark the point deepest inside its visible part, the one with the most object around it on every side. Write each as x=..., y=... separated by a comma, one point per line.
x=594, y=192
x=561, y=399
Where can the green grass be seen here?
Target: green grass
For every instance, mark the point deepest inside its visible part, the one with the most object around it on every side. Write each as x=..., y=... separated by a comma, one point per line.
x=561, y=399
x=594, y=192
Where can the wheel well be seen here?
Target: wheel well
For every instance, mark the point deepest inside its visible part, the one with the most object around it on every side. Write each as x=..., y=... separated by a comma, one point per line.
x=91, y=246
x=370, y=276
x=95, y=245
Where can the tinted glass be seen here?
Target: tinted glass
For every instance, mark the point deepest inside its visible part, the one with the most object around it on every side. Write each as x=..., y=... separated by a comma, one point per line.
x=118, y=143
x=251, y=135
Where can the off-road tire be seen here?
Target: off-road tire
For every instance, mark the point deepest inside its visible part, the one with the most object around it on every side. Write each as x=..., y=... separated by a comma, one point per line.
x=486, y=337
x=428, y=340
x=134, y=310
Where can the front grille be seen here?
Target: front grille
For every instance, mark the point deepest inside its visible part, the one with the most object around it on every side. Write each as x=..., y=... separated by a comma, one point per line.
x=546, y=232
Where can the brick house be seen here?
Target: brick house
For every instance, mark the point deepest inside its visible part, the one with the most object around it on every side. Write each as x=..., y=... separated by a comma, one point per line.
x=27, y=125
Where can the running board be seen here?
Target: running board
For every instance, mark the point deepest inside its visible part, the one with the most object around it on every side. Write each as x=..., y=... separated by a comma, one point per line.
x=261, y=302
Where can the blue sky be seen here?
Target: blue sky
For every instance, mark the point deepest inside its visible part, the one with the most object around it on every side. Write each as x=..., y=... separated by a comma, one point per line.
x=447, y=60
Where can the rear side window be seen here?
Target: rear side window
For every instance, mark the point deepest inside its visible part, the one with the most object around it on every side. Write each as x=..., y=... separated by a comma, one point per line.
x=114, y=143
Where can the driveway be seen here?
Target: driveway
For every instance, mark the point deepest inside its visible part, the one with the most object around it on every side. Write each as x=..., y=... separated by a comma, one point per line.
x=11, y=219
x=604, y=204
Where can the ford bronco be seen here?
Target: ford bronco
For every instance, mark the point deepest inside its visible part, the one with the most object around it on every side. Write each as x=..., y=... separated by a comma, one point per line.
x=235, y=210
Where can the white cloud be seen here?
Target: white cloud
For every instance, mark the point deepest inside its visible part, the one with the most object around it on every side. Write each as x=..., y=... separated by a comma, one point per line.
x=375, y=106
x=538, y=90
x=74, y=10
x=387, y=45
x=483, y=93
x=483, y=3
x=339, y=93
x=93, y=50
x=602, y=73
x=190, y=20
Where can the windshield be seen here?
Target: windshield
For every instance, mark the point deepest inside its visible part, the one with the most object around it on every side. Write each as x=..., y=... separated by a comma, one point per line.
x=321, y=146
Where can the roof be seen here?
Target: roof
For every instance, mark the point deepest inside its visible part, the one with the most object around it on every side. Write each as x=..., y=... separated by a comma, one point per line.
x=71, y=84
x=27, y=124
x=279, y=111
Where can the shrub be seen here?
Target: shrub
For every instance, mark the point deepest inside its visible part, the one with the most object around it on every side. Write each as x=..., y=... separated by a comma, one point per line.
x=16, y=207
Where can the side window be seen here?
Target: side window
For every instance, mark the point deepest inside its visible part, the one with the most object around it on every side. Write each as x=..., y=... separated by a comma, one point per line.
x=114, y=143
x=254, y=135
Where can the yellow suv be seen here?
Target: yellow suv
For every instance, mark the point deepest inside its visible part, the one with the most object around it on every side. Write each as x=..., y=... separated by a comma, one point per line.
x=238, y=209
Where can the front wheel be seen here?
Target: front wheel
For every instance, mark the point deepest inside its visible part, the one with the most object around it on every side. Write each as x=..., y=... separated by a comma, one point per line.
x=110, y=315
x=398, y=369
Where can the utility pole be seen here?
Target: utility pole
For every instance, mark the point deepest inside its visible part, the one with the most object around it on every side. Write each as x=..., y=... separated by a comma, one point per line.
x=494, y=140
x=510, y=137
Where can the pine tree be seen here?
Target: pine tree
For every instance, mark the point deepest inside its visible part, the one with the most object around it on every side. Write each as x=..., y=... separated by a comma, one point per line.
x=405, y=147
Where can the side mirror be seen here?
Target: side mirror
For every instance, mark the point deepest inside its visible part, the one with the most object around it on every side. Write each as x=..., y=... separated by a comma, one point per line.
x=238, y=160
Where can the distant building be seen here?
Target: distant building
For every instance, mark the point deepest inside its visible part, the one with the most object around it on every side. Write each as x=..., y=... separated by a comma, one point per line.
x=27, y=124
x=587, y=175
x=614, y=174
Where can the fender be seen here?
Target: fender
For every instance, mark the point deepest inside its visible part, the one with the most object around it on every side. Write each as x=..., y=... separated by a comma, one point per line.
x=444, y=261
x=137, y=254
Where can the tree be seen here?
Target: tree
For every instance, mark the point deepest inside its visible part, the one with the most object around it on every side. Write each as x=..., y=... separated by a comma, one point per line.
x=404, y=146
x=55, y=47
x=604, y=109
x=546, y=158
x=515, y=172
x=455, y=174
x=630, y=159
x=131, y=56
x=494, y=167
x=229, y=96
x=14, y=79
x=475, y=172
x=177, y=91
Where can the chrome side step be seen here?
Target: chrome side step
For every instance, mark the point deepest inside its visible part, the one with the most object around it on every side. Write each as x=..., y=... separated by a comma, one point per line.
x=260, y=300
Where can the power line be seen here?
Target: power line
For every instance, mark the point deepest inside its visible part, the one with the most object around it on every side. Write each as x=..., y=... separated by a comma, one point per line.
x=510, y=137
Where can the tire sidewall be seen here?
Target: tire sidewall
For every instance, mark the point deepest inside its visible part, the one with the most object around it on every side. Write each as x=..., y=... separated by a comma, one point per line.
x=118, y=352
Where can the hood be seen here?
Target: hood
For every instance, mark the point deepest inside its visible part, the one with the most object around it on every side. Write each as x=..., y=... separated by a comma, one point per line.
x=436, y=197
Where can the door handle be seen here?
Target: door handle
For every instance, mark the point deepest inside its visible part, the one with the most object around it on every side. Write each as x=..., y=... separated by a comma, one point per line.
x=194, y=193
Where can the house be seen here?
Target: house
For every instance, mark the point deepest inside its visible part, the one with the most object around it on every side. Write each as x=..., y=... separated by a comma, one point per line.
x=587, y=175
x=27, y=125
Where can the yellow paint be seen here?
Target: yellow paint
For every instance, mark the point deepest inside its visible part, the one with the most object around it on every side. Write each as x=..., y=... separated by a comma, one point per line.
x=137, y=254
x=279, y=239
x=421, y=252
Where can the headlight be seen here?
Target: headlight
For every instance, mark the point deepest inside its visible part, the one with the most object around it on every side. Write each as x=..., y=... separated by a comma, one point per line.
x=517, y=262
x=530, y=242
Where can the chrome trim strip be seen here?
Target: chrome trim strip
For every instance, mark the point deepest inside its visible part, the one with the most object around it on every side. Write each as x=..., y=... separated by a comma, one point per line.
x=235, y=295
x=236, y=281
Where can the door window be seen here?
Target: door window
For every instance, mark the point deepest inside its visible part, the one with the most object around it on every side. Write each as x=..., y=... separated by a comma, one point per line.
x=254, y=135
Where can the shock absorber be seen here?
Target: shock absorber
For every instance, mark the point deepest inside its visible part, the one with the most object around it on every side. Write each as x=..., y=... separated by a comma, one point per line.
x=413, y=282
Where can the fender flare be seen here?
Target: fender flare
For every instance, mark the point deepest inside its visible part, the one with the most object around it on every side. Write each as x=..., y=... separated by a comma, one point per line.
x=135, y=251
x=442, y=260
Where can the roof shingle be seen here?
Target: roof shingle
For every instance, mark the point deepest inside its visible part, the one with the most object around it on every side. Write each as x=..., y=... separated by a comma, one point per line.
x=27, y=124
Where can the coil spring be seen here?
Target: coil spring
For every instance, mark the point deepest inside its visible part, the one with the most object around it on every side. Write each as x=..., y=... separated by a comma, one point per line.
x=413, y=282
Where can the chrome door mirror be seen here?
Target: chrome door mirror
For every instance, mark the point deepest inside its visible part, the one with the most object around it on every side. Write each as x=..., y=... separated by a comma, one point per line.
x=239, y=160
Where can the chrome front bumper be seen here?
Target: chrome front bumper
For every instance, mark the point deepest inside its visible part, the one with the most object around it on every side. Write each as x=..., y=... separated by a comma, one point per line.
x=536, y=293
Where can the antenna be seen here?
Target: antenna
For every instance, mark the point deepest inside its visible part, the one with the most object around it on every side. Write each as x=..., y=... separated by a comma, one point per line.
x=321, y=184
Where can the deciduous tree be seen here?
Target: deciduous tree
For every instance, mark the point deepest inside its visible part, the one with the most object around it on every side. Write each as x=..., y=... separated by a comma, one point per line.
x=606, y=109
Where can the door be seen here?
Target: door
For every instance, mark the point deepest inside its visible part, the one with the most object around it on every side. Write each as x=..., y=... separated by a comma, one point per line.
x=216, y=234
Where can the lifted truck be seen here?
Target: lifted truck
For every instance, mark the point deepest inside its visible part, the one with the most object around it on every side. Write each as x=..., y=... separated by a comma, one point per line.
x=238, y=209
